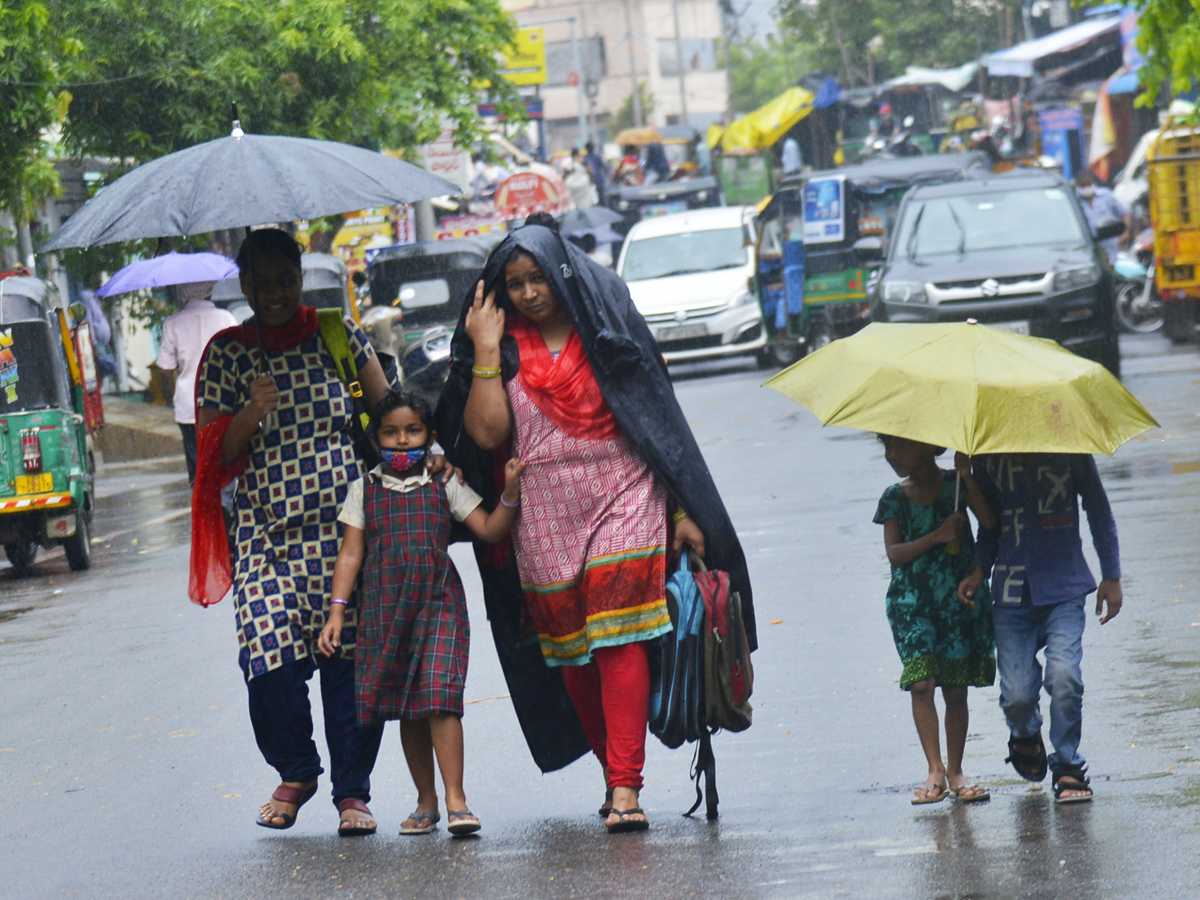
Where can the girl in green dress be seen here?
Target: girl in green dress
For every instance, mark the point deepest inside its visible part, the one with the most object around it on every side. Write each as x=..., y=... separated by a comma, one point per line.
x=941, y=641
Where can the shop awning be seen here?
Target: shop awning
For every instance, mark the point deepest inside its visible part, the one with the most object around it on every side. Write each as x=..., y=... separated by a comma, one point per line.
x=955, y=79
x=1020, y=60
x=1124, y=83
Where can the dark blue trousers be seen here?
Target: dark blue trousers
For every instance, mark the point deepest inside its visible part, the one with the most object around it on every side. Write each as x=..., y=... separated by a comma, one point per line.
x=283, y=726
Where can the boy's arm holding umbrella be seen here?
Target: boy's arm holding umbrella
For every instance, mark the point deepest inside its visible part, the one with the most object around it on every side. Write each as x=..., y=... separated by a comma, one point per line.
x=1104, y=535
x=987, y=542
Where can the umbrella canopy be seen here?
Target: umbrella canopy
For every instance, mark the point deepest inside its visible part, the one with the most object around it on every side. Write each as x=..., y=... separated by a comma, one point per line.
x=171, y=268
x=587, y=219
x=968, y=387
x=242, y=180
x=638, y=137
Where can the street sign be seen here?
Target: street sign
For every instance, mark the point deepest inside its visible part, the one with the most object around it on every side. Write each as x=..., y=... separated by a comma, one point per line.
x=525, y=63
x=572, y=79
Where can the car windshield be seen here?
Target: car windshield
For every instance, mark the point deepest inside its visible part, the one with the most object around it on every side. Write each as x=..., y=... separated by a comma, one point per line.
x=1017, y=218
x=685, y=253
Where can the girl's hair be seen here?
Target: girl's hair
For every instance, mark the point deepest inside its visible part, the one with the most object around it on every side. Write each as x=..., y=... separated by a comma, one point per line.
x=887, y=439
x=400, y=399
x=268, y=242
x=543, y=218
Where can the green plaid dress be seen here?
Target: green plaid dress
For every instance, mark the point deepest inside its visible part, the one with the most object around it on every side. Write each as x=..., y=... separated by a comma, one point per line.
x=413, y=632
x=935, y=635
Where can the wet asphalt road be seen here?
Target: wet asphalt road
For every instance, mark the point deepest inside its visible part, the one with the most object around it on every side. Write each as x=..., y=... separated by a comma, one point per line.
x=128, y=769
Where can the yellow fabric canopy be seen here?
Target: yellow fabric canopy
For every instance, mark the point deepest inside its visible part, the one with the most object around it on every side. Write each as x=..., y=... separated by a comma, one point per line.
x=767, y=124
x=968, y=387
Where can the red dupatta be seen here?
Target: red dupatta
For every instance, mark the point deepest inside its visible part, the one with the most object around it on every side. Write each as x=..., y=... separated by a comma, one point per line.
x=211, y=570
x=565, y=389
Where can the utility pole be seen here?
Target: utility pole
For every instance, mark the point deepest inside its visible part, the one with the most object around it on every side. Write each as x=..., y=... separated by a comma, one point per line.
x=637, y=98
x=585, y=134
x=682, y=67
x=726, y=7
x=590, y=86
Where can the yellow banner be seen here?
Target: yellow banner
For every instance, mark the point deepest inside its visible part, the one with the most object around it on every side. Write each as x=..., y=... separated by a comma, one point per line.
x=525, y=62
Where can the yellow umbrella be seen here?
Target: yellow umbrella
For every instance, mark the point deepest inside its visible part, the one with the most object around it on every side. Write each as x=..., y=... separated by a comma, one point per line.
x=638, y=137
x=967, y=387
x=768, y=123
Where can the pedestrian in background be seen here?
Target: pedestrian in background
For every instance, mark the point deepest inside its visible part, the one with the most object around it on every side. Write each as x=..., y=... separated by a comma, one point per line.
x=942, y=642
x=791, y=159
x=185, y=334
x=1039, y=584
x=413, y=632
x=579, y=183
x=598, y=169
x=1099, y=204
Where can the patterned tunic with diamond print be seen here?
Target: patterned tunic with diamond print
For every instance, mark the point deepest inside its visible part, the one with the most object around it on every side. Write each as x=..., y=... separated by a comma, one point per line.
x=935, y=635
x=413, y=627
x=590, y=539
x=288, y=496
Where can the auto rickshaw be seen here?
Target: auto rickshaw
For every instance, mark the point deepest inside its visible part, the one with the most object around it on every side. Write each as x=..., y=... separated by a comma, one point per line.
x=417, y=293
x=326, y=286
x=50, y=406
x=818, y=238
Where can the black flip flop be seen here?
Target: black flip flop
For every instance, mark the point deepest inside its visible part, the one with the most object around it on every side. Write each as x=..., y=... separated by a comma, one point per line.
x=624, y=824
x=606, y=810
x=1030, y=766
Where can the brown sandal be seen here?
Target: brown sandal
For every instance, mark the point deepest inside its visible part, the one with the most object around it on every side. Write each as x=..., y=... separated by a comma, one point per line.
x=285, y=793
x=345, y=828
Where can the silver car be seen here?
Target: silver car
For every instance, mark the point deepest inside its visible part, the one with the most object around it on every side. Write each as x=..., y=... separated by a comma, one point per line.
x=691, y=275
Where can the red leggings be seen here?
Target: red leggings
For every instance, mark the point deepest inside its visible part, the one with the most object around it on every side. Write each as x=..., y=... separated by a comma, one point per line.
x=612, y=696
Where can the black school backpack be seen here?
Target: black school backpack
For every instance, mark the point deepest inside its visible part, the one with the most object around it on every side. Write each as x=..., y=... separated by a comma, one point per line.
x=703, y=678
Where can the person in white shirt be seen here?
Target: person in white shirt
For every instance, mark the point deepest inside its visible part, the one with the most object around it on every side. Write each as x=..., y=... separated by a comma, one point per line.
x=184, y=337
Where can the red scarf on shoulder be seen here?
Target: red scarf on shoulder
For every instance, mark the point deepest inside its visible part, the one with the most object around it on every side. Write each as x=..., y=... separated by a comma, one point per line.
x=565, y=389
x=211, y=573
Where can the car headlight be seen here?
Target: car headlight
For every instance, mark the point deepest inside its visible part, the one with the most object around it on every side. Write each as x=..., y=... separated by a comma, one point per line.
x=1078, y=277
x=622, y=205
x=903, y=292
x=702, y=196
x=742, y=298
x=437, y=348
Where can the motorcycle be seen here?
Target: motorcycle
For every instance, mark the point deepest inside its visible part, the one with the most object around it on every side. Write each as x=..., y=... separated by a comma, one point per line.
x=1139, y=306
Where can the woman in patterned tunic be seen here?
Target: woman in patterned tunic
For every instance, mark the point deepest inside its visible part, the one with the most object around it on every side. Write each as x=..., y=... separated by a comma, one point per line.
x=292, y=478
x=591, y=538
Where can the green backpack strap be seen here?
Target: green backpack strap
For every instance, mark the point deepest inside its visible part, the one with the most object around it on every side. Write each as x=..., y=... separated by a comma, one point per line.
x=333, y=332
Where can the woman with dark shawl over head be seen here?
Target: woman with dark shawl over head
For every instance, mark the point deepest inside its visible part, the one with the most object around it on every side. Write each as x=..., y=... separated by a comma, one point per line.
x=552, y=362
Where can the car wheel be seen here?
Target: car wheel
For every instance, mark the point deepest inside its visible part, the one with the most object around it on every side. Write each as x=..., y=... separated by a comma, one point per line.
x=78, y=546
x=21, y=554
x=784, y=353
x=819, y=335
x=765, y=358
x=1179, y=320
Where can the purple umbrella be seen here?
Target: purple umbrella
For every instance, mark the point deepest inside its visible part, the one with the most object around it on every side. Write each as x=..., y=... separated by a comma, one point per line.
x=171, y=268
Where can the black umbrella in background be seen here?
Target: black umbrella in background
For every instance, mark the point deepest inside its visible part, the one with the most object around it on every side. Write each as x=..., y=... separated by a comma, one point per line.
x=589, y=219
x=244, y=180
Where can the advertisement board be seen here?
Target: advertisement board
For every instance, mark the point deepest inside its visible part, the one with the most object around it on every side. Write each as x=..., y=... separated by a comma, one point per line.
x=525, y=62
x=824, y=204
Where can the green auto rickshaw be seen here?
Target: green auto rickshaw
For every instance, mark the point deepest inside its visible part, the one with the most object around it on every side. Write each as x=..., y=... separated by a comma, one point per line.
x=49, y=408
x=819, y=237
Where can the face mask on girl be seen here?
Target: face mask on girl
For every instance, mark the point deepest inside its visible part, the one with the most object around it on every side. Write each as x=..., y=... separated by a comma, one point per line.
x=403, y=460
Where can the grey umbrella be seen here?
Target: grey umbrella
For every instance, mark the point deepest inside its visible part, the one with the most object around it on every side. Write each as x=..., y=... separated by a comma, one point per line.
x=242, y=180
x=587, y=219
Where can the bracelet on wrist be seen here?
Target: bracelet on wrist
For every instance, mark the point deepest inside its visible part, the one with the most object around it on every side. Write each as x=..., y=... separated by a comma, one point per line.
x=338, y=601
x=680, y=515
x=505, y=503
x=485, y=371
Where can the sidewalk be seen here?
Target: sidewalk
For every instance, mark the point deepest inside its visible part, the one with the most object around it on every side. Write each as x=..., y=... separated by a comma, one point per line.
x=135, y=431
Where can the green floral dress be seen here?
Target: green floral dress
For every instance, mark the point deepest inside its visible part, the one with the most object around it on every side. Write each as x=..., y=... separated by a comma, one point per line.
x=935, y=635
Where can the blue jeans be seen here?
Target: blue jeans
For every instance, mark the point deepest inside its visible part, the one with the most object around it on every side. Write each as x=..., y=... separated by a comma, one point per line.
x=283, y=726
x=1020, y=632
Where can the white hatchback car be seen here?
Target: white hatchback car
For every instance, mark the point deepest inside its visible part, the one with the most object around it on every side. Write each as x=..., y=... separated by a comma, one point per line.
x=691, y=275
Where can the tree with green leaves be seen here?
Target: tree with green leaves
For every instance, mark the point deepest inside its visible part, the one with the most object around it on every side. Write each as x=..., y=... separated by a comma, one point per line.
x=623, y=117
x=1169, y=39
x=32, y=55
x=868, y=41
x=375, y=73
x=763, y=69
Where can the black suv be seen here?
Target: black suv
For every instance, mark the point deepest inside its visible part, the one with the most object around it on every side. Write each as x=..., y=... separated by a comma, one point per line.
x=1014, y=251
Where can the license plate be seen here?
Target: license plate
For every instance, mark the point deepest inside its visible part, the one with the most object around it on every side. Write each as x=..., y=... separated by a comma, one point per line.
x=663, y=209
x=1011, y=327
x=35, y=484
x=682, y=332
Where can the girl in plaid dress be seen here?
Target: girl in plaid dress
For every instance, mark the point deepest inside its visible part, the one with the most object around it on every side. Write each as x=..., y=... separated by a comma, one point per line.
x=411, y=662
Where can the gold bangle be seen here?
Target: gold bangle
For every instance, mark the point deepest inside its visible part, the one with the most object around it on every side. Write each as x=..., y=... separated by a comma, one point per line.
x=485, y=371
x=680, y=515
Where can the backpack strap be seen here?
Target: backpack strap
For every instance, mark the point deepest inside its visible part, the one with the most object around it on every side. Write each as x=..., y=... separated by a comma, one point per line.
x=333, y=333
x=704, y=765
